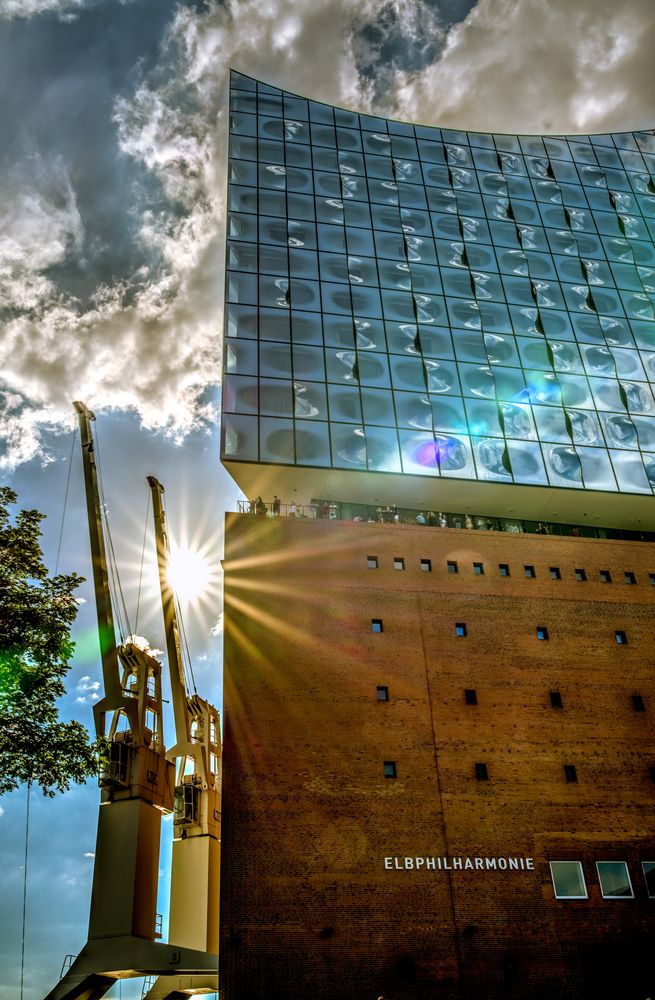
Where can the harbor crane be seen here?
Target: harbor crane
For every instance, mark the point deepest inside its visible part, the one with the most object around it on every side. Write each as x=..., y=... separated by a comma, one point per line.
x=137, y=786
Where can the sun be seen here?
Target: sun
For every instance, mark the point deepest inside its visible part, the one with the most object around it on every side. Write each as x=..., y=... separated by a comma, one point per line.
x=189, y=574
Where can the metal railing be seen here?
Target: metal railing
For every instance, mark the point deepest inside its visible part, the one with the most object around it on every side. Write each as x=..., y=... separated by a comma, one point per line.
x=331, y=510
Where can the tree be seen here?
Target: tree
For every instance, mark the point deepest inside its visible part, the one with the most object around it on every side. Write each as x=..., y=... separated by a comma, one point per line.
x=36, y=613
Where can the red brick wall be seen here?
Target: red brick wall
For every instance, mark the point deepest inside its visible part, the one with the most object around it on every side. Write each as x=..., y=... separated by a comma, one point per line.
x=308, y=908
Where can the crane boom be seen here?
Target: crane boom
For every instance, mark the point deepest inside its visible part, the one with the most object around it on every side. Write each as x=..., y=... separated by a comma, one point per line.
x=113, y=693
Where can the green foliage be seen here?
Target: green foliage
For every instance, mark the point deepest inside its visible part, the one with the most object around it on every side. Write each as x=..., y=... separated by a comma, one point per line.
x=36, y=613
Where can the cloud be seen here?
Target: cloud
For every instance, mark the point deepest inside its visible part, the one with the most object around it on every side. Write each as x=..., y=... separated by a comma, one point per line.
x=86, y=684
x=151, y=342
x=522, y=65
x=29, y=8
x=217, y=629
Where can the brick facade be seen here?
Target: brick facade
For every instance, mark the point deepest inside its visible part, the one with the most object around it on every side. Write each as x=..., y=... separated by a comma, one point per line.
x=318, y=899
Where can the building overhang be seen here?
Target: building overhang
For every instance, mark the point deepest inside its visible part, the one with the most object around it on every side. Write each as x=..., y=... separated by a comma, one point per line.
x=634, y=512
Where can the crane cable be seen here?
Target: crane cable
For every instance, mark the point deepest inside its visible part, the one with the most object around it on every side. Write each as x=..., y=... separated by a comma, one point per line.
x=27, y=835
x=63, y=513
x=122, y=616
x=143, y=552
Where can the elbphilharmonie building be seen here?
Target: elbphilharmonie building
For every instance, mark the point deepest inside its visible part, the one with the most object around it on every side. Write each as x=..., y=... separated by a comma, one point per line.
x=439, y=756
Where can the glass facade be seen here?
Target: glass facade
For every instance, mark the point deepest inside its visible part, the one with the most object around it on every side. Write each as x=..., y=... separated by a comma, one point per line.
x=410, y=299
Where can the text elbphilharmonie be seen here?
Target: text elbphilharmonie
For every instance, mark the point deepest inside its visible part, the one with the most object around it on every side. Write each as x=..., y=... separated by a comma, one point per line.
x=459, y=864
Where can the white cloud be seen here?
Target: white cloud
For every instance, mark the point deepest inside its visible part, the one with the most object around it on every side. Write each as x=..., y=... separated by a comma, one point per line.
x=523, y=65
x=154, y=347
x=86, y=684
x=28, y=8
x=217, y=629
x=89, y=854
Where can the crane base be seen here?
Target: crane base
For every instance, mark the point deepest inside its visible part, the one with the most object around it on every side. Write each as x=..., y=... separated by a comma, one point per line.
x=104, y=960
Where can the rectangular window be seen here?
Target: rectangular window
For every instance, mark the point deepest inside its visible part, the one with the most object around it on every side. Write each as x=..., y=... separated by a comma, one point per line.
x=651, y=771
x=649, y=877
x=621, y=637
x=460, y=629
x=426, y=565
x=629, y=577
x=568, y=880
x=605, y=576
x=542, y=632
x=481, y=773
x=556, y=700
x=376, y=625
x=382, y=692
x=372, y=562
x=529, y=571
x=398, y=562
x=614, y=879
x=478, y=568
x=452, y=566
x=390, y=769
x=503, y=569
x=570, y=773
x=555, y=573
x=470, y=696
x=651, y=579
x=638, y=703
x=580, y=575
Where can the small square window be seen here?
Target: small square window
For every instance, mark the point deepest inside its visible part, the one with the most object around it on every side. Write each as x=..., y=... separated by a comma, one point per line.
x=478, y=568
x=376, y=625
x=372, y=562
x=426, y=565
x=651, y=579
x=570, y=774
x=398, y=562
x=460, y=629
x=529, y=571
x=629, y=577
x=580, y=575
x=452, y=566
x=555, y=573
x=621, y=637
x=503, y=569
x=556, y=700
x=382, y=692
x=481, y=773
x=470, y=696
x=649, y=877
x=651, y=771
x=638, y=703
x=390, y=769
x=605, y=576
x=568, y=880
x=542, y=632
x=614, y=879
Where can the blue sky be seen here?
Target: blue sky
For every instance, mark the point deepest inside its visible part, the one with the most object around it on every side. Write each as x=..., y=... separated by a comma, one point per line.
x=112, y=183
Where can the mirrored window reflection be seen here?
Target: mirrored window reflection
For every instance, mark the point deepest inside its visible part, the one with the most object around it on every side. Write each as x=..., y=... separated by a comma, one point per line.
x=614, y=880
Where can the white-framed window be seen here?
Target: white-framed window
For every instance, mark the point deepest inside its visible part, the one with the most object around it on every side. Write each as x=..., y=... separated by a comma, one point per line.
x=648, y=868
x=614, y=879
x=568, y=880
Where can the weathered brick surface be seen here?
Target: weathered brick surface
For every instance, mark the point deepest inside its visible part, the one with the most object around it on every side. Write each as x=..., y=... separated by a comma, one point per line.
x=308, y=908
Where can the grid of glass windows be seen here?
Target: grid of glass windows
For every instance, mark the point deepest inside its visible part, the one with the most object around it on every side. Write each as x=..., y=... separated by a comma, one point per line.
x=412, y=299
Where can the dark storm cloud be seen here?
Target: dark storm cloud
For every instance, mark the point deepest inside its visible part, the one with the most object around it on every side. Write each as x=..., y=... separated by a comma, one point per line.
x=59, y=82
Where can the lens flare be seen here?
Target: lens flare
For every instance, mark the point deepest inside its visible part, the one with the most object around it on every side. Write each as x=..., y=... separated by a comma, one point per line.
x=189, y=574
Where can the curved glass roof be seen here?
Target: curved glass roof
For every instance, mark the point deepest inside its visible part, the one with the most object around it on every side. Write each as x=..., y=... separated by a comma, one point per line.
x=456, y=305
